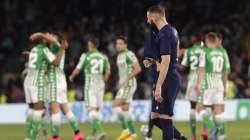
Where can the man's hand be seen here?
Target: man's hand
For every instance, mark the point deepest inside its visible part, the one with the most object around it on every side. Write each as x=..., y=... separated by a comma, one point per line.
x=65, y=44
x=157, y=94
x=71, y=78
x=124, y=83
x=147, y=63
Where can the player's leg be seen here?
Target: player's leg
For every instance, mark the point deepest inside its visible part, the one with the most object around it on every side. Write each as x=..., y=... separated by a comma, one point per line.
x=193, y=120
x=37, y=118
x=117, y=108
x=206, y=113
x=37, y=97
x=166, y=108
x=220, y=122
x=72, y=121
x=30, y=110
x=29, y=121
x=219, y=117
x=55, y=119
x=99, y=97
x=62, y=92
x=121, y=107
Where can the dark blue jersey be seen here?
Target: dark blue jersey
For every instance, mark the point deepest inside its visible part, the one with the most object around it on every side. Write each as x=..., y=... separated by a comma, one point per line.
x=168, y=45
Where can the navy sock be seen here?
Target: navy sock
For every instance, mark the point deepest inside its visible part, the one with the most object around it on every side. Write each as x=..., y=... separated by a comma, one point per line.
x=157, y=122
x=177, y=133
x=167, y=129
x=150, y=127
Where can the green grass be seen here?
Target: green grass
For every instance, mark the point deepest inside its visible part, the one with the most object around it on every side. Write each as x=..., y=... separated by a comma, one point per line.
x=238, y=130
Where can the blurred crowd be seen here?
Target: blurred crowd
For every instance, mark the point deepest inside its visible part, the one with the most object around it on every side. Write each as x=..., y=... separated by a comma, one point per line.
x=105, y=20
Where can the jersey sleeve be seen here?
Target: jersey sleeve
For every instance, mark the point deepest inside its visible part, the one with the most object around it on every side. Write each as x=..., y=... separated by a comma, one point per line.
x=81, y=61
x=106, y=64
x=185, y=61
x=227, y=66
x=49, y=55
x=131, y=57
x=165, y=44
x=202, y=59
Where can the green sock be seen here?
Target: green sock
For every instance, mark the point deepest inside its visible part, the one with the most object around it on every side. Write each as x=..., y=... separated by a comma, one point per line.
x=35, y=127
x=130, y=125
x=29, y=121
x=99, y=127
x=123, y=122
x=220, y=124
x=74, y=124
x=193, y=122
x=205, y=117
x=55, y=124
x=55, y=129
x=94, y=126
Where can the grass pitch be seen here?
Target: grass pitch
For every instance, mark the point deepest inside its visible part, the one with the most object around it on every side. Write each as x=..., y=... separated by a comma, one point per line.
x=237, y=130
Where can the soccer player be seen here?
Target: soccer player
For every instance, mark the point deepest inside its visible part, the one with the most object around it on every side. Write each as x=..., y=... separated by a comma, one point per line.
x=191, y=61
x=58, y=94
x=96, y=68
x=128, y=67
x=34, y=83
x=167, y=81
x=214, y=67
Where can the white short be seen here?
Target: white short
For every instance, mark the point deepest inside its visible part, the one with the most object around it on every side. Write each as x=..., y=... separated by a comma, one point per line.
x=94, y=96
x=31, y=93
x=191, y=94
x=60, y=95
x=213, y=97
x=127, y=93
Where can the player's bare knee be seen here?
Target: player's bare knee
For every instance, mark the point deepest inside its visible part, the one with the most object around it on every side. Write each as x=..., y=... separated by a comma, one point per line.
x=54, y=107
x=125, y=107
x=117, y=103
x=218, y=109
x=39, y=105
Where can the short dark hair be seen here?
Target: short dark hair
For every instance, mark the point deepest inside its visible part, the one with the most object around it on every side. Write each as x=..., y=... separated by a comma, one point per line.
x=157, y=9
x=211, y=36
x=123, y=38
x=219, y=35
x=93, y=40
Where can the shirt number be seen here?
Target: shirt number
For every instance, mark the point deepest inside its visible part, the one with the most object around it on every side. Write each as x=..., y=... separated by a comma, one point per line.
x=217, y=63
x=32, y=60
x=194, y=62
x=96, y=66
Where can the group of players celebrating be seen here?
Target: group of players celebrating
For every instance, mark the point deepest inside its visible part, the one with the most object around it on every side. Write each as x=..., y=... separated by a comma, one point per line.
x=45, y=82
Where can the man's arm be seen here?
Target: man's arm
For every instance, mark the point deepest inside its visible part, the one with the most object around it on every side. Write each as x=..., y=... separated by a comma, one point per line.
x=107, y=75
x=78, y=68
x=61, y=52
x=225, y=77
x=44, y=36
x=163, y=69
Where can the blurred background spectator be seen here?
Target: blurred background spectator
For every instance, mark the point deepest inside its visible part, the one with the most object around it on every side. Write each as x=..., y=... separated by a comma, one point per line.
x=106, y=19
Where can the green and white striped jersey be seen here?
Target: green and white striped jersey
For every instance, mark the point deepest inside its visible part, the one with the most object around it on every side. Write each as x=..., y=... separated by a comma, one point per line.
x=39, y=57
x=94, y=64
x=191, y=60
x=216, y=63
x=56, y=72
x=125, y=61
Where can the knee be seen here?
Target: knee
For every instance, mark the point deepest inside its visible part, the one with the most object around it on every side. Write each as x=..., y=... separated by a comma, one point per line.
x=93, y=114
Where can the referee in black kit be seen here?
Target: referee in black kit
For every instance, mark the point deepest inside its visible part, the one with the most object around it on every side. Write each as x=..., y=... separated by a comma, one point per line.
x=166, y=80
